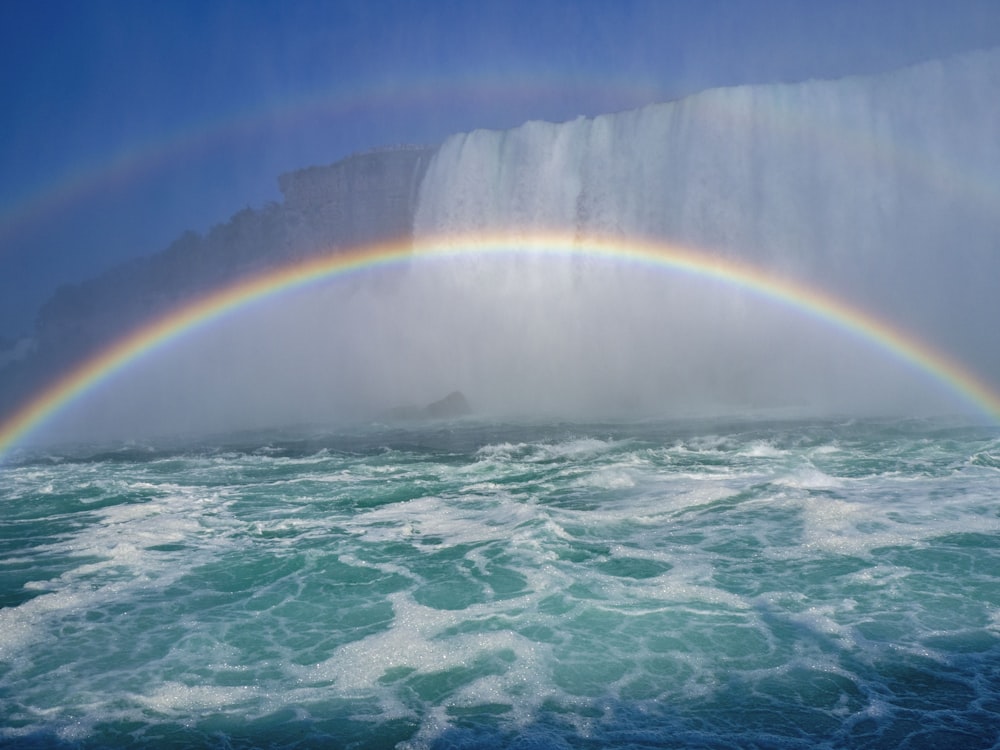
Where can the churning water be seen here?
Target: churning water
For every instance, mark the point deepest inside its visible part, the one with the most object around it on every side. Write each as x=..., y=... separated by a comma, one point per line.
x=702, y=584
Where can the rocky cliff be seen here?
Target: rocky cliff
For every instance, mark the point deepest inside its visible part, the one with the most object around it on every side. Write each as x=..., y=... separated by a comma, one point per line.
x=364, y=198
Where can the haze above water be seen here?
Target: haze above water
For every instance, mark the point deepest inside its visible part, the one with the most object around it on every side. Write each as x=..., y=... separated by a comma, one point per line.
x=877, y=190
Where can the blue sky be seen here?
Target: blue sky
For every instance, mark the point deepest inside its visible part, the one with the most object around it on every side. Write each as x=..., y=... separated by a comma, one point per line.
x=126, y=122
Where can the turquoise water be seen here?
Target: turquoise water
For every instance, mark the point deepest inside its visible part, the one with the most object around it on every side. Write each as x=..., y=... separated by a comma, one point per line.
x=704, y=584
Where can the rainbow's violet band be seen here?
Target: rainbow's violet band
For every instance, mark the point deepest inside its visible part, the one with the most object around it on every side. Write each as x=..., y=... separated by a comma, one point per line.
x=673, y=258
x=133, y=161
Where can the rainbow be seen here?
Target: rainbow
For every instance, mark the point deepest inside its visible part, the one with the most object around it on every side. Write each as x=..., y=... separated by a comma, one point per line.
x=188, y=318
x=128, y=163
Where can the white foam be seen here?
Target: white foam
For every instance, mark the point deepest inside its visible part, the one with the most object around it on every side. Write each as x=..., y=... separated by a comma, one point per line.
x=455, y=521
x=763, y=449
x=994, y=625
x=22, y=625
x=822, y=619
x=921, y=508
x=123, y=538
x=611, y=478
x=178, y=698
x=811, y=478
x=415, y=642
x=579, y=448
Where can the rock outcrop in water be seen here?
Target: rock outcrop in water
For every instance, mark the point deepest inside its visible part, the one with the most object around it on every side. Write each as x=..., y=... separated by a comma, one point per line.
x=452, y=406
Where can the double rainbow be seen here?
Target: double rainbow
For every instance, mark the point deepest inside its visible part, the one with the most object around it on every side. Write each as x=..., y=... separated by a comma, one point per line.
x=228, y=300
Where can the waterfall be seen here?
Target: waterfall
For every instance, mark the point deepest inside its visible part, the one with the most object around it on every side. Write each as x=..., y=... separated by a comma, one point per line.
x=882, y=190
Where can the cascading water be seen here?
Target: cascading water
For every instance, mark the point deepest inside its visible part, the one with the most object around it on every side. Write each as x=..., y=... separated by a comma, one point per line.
x=880, y=190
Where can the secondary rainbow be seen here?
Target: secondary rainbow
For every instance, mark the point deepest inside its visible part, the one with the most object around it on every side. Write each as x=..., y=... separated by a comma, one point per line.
x=668, y=257
x=135, y=160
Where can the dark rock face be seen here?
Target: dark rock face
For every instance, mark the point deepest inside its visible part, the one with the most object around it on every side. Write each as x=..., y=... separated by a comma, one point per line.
x=366, y=198
x=363, y=199
x=452, y=406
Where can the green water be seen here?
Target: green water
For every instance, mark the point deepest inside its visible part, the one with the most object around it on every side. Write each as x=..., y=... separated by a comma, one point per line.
x=705, y=584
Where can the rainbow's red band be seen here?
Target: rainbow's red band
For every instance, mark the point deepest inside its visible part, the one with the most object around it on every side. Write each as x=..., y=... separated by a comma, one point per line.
x=668, y=257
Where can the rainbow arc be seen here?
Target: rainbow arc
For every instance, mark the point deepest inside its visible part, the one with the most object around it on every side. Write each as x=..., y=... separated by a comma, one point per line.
x=229, y=300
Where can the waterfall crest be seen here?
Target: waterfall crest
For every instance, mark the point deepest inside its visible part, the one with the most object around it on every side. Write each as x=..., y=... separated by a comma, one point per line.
x=882, y=190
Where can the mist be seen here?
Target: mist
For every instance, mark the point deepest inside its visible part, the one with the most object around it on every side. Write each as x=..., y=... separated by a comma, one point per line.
x=126, y=125
x=878, y=190
x=522, y=337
